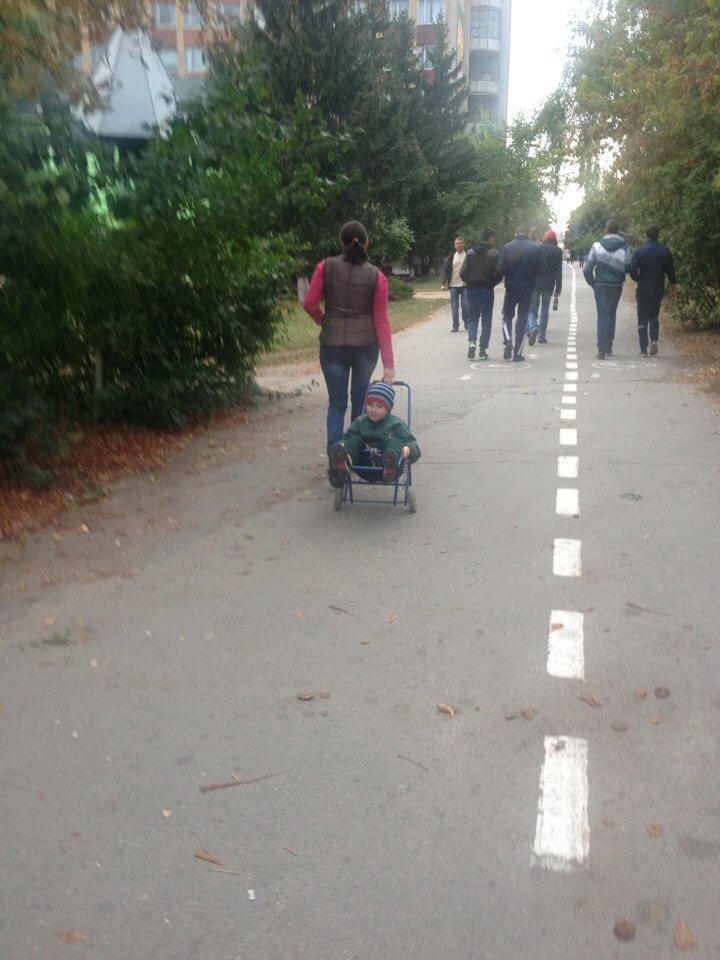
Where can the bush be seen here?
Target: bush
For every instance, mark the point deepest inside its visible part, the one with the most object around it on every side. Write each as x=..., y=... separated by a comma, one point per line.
x=20, y=409
x=399, y=290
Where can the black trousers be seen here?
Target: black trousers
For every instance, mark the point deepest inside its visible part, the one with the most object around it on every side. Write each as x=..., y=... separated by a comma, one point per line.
x=648, y=312
x=521, y=299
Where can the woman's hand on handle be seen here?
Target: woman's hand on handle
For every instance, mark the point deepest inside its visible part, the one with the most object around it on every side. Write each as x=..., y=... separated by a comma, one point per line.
x=389, y=376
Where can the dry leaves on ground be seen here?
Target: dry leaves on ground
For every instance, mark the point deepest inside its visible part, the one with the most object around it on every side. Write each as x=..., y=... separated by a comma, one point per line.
x=72, y=936
x=529, y=713
x=590, y=701
x=662, y=693
x=624, y=929
x=208, y=857
x=640, y=694
x=655, y=830
x=306, y=696
x=556, y=626
x=449, y=710
x=684, y=940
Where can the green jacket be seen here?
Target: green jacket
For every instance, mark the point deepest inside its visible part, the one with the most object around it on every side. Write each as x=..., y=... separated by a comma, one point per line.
x=389, y=433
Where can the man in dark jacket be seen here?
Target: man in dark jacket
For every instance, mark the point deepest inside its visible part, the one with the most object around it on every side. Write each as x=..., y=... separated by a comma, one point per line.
x=519, y=265
x=605, y=269
x=549, y=284
x=481, y=277
x=651, y=263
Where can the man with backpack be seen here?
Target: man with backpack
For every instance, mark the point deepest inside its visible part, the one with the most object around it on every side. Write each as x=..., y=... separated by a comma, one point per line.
x=480, y=275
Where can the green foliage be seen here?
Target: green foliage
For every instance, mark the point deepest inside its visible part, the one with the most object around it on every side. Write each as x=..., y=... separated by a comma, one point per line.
x=644, y=83
x=587, y=223
x=20, y=408
x=399, y=290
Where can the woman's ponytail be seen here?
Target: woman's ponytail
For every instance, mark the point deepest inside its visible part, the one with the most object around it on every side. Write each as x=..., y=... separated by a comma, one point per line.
x=353, y=238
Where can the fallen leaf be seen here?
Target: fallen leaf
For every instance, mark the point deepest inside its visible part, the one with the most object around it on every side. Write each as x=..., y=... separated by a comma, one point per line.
x=655, y=720
x=167, y=814
x=365, y=642
x=529, y=713
x=306, y=696
x=72, y=936
x=450, y=711
x=94, y=663
x=510, y=714
x=57, y=537
x=290, y=850
x=683, y=938
x=299, y=613
x=443, y=551
x=48, y=622
x=640, y=694
x=588, y=610
x=479, y=709
x=655, y=830
x=624, y=929
x=590, y=701
x=83, y=528
x=619, y=727
x=393, y=618
x=662, y=692
x=203, y=855
x=556, y=626
x=324, y=695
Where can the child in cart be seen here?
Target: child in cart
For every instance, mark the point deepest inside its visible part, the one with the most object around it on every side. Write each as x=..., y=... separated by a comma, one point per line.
x=387, y=436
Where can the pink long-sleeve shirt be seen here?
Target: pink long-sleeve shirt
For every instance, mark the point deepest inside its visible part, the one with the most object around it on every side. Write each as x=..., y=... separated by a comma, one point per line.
x=380, y=311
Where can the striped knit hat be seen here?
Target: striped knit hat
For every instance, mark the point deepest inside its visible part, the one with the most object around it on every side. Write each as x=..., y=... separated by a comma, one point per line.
x=382, y=393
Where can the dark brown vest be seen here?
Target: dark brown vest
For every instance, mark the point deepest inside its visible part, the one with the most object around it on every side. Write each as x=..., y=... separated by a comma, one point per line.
x=349, y=290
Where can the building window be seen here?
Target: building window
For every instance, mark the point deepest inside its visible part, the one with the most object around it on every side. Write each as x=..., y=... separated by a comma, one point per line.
x=485, y=23
x=228, y=12
x=396, y=8
x=192, y=16
x=169, y=57
x=425, y=55
x=163, y=14
x=195, y=60
x=430, y=10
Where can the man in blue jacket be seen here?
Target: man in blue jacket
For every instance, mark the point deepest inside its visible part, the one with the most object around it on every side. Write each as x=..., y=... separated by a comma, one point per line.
x=651, y=263
x=605, y=269
x=519, y=264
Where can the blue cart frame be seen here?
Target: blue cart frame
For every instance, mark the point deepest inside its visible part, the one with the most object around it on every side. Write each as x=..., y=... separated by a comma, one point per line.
x=367, y=475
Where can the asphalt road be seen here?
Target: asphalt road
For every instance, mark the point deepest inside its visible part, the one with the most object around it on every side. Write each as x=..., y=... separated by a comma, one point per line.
x=164, y=649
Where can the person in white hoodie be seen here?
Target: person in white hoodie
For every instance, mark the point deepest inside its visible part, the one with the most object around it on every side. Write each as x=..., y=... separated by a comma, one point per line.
x=605, y=268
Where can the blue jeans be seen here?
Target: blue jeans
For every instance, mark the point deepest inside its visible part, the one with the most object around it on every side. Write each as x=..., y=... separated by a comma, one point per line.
x=480, y=304
x=607, y=297
x=543, y=309
x=337, y=364
x=458, y=299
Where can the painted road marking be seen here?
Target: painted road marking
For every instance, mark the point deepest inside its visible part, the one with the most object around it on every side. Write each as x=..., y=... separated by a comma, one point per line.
x=571, y=375
x=568, y=437
x=568, y=467
x=570, y=388
x=566, y=657
x=569, y=399
x=466, y=377
x=562, y=835
x=566, y=558
x=568, y=414
x=567, y=502
x=571, y=365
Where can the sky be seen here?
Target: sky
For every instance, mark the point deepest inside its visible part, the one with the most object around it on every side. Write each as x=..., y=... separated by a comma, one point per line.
x=539, y=36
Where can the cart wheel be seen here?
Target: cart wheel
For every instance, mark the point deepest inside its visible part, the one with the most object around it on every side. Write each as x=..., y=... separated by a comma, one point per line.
x=339, y=499
x=412, y=507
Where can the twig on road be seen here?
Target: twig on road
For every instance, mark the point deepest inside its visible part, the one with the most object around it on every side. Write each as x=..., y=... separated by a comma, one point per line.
x=207, y=787
x=416, y=762
x=332, y=606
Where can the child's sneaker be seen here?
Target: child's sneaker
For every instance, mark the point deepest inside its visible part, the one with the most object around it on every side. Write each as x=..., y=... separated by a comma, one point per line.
x=390, y=460
x=471, y=351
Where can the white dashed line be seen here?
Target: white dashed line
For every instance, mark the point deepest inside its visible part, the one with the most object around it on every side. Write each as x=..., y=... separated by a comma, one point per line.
x=568, y=398
x=567, y=502
x=568, y=467
x=570, y=388
x=466, y=377
x=571, y=375
x=568, y=437
x=562, y=836
x=566, y=657
x=568, y=414
x=566, y=558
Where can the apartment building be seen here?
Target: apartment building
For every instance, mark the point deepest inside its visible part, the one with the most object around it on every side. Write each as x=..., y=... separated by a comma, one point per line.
x=479, y=33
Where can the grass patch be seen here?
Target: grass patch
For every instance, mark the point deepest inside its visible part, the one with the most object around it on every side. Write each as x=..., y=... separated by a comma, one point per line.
x=297, y=339
x=60, y=638
x=701, y=348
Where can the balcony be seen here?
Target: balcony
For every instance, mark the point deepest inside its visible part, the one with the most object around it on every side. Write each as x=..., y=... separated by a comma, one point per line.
x=487, y=88
x=497, y=4
x=485, y=43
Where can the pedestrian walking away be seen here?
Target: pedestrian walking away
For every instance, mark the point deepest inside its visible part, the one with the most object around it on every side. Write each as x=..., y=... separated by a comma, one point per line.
x=651, y=264
x=452, y=280
x=581, y=258
x=605, y=269
x=519, y=264
x=481, y=276
x=548, y=286
x=354, y=327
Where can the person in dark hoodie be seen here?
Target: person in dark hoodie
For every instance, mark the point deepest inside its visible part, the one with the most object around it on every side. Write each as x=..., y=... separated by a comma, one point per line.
x=549, y=284
x=651, y=263
x=481, y=277
x=605, y=269
x=519, y=265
